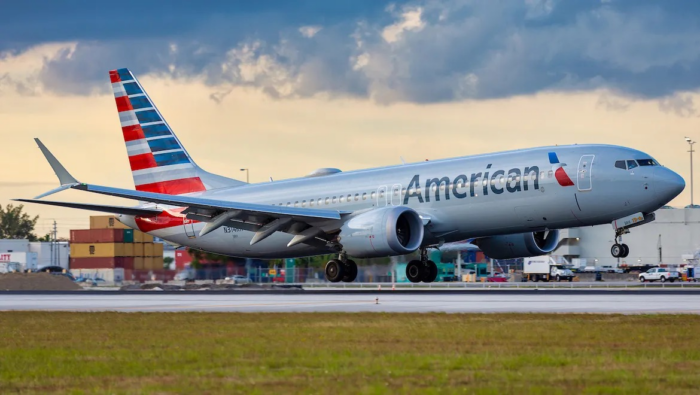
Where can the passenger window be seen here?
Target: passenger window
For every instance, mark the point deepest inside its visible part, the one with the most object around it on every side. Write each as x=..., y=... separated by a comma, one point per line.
x=357, y=197
x=620, y=164
x=289, y=204
x=550, y=174
x=349, y=198
x=311, y=203
x=542, y=175
x=381, y=194
x=364, y=196
x=333, y=200
x=373, y=195
x=328, y=201
x=303, y=203
x=296, y=204
x=342, y=199
x=631, y=164
x=320, y=201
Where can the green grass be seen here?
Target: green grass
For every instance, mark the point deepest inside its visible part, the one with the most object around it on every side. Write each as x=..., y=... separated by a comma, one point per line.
x=348, y=353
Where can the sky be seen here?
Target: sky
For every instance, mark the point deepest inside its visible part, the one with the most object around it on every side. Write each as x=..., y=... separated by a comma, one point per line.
x=284, y=87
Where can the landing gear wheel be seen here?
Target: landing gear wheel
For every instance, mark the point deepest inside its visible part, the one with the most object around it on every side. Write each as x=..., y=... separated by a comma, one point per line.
x=350, y=271
x=616, y=250
x=625, y=250
x=431, y=272
x=335, y=270
x=415, y=271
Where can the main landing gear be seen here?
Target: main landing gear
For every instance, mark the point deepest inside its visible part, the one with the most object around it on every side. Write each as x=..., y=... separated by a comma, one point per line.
x=422, y=270
x=341, y=269
x=619, y=250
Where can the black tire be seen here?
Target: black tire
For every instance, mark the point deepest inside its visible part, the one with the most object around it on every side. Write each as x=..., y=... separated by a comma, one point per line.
x=671, y=280
x=571, y=279
x=414, y=271
x=663, y=279
x=430, y=272
x=625, y=251
x=642, y=279
x=350, y=271
x=335, y=270
x=616, y=250
x=535, y=278
x=558, y=278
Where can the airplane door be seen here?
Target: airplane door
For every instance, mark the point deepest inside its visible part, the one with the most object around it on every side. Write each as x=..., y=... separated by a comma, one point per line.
x=381, y=196
x=585, y=167
x=396, y=195
x=189, y=228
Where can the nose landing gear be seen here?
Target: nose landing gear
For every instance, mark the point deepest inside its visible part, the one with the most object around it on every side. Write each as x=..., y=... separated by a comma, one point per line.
x=422, y=270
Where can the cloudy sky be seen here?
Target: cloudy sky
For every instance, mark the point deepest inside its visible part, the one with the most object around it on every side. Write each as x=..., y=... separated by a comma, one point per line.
x=283, y=87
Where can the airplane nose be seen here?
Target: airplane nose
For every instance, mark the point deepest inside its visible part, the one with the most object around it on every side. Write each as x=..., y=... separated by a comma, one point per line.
x=668, y=184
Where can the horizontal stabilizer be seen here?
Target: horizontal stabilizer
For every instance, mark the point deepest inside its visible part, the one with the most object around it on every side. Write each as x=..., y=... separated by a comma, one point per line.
x=144, y=212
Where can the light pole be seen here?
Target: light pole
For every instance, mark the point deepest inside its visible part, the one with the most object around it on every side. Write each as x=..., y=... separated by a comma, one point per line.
x=247, y=172
x=691, y=142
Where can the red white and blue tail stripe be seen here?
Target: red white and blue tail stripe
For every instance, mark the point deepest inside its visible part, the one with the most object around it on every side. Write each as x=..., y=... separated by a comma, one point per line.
x=159, y=162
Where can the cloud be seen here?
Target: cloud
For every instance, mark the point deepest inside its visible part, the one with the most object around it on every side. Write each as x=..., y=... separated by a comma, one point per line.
x=309, y=31
x=679, y=104
x=422, y=51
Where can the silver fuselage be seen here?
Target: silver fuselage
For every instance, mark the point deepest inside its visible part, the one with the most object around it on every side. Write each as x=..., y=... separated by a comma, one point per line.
x=470, y=197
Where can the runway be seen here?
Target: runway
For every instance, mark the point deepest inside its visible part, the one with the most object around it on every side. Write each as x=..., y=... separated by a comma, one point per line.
x=534, y=302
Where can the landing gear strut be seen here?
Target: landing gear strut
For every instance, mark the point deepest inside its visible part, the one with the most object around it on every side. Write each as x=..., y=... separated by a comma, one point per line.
x=422, y=270
x=341, y=269
x=619, y=250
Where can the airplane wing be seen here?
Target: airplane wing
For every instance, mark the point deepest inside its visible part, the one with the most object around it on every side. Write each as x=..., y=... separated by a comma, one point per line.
x=260, y=218
x=97, y=207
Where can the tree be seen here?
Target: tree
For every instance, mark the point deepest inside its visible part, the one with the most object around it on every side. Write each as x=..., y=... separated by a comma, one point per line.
x=14, y=224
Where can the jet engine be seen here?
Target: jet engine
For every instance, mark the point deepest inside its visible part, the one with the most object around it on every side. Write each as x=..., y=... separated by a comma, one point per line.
x=392, y=230
x=519, y=245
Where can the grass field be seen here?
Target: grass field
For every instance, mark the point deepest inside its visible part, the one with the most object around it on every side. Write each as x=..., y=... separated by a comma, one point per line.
x=347, y=353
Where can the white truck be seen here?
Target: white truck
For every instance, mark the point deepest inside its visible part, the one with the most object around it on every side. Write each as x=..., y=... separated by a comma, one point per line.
x=545, y=268
x=659, y=274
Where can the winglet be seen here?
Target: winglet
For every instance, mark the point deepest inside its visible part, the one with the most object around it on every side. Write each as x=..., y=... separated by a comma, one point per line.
x=63, y=176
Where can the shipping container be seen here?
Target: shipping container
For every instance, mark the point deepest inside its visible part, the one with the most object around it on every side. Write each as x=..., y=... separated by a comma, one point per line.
x=156, y=263
x=128, y=249
x=46, y=257
x=128, y=235
x=182, y=259
x=147, y=249
x=140, y=237
x=102, y=263
x=158, y=250
x=97, y=236
x=98, y=250
x=138, y=249
x=139, y=263
x=106, y=222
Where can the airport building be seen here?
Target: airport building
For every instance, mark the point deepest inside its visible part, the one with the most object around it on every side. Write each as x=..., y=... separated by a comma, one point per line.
x=672, y=239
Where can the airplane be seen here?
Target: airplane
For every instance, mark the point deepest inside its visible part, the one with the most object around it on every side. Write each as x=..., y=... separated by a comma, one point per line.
x=511, y=204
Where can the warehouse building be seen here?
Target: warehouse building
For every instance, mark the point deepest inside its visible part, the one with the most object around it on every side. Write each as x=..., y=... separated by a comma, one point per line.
x=672, y=239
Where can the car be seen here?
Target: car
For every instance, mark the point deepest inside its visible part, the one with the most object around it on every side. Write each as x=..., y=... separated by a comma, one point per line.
x=659, y=274
x=238, y=279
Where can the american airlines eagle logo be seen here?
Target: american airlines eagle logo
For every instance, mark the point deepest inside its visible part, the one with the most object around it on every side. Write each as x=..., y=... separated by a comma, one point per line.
x=559, y=173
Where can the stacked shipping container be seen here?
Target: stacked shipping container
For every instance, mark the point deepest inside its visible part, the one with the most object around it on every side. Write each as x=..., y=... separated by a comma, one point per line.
x=109, y=244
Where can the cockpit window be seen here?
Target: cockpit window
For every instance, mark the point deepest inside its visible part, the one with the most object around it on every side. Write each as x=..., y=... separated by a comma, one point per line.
x=647, y=162
x=620, y=164
x=631, y=164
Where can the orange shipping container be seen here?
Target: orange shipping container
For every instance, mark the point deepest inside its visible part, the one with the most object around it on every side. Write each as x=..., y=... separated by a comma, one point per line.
x=96, y=250
x=158, y=250
x=140, y=237
x=106, y=222
x=139, y=263
x=128, y=249
x=147, y=249
x=157, y=263
x=138, y=249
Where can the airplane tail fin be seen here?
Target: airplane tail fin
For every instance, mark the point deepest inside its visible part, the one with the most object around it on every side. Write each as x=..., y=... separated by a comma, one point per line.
x=159, y=161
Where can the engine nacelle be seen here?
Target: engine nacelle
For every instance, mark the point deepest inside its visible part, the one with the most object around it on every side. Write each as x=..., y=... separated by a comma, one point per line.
x=392, y=230
x=519, y=245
